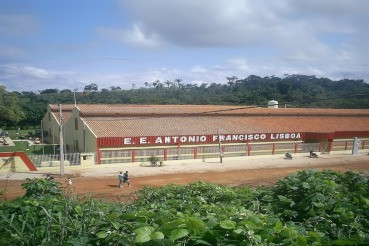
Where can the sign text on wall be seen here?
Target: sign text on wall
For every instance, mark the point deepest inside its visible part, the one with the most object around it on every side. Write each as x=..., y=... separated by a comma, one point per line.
x=160, y=140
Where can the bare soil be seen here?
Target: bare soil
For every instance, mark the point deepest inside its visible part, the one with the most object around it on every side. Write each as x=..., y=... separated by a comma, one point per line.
x=106, y=187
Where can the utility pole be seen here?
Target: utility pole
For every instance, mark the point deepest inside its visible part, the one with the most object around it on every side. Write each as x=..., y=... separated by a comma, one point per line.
x=220, y=148
x=61, y=141
x=84, y=138
x=74, y=96
x=42, y=138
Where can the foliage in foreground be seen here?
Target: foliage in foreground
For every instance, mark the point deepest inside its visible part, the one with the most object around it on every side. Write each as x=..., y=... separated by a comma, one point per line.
x=306, y=208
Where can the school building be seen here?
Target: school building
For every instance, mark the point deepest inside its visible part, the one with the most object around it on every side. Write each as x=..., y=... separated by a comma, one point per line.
x=133, y=133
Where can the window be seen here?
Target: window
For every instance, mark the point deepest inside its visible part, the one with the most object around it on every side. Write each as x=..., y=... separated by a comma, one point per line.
x=76, y=147
x=84, y=157
x=76, y=124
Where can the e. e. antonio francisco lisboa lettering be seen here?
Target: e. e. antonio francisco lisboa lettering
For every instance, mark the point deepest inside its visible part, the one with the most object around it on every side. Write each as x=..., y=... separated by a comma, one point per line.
x=198, y=139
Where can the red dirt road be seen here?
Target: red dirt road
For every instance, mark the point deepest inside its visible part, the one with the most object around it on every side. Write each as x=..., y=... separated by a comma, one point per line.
x=106, y=187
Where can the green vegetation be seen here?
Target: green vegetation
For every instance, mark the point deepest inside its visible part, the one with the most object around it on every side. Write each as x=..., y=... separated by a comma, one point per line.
x=40, y=188
x=22, y=145
x=26, y=109
x=154, y=160
x=11, y=112
x=32, y=150
x=306, y=208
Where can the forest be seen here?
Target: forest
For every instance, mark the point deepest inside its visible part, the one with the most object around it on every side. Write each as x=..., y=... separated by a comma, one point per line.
x=26, y=109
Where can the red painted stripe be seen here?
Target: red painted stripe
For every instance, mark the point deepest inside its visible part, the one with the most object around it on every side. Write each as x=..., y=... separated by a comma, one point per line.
x=24, y=158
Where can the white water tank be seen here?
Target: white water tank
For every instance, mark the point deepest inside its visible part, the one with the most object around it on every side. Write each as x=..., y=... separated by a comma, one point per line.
x=272, y=104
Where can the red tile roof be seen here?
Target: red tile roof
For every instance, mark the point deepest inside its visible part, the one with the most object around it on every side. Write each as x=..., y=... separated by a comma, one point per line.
x=168, y=126
x=124, y=110
x=119, y=120
x=66, y=111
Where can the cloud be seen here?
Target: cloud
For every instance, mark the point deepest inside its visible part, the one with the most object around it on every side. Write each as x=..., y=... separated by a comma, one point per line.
x=292, y=28
x=199, y=69
x=18, y=25
x=29, y=78
x=242, y=22
x=10, y=51
x=273, y=37
x=136, y=36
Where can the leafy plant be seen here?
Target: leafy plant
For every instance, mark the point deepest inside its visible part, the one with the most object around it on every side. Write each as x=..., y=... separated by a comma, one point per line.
x=305, y=208
x=41, y=187
x=154, y=160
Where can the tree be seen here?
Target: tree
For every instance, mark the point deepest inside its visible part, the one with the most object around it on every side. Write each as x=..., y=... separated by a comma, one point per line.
x=178, y=82
x=232, y=80
x=34, y=113
x=91, y=88
x=11, y=113
x=48, y=91
x=168, y=83
x=65, y=91
x=115, y=88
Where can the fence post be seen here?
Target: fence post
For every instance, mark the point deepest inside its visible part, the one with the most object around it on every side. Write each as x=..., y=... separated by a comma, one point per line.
x=133, y=155
x=248, y=150
x=330, y=147
x=363, y=145
x=98, y=153
x=346, y=145
x=195, y=153
x=320, y=147
x=273, y=149
x=179, y=151
x=295, y=148
x=165, y=154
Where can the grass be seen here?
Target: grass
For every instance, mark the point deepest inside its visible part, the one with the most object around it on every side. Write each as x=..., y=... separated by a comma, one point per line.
x=13, y=133
x=33, y=150
x=22, y=146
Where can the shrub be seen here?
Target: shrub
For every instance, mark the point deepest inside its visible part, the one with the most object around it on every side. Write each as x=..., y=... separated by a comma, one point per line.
x=41, y=187
x=154, y=160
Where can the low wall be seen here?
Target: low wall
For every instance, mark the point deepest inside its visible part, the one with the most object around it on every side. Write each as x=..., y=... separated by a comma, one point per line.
x=15, y=162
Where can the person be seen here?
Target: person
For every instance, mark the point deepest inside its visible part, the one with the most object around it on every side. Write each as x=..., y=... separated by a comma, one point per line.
x=120, y=178
x=311, y=153
x=70, y=183
x=49, y=177
x=126, y=178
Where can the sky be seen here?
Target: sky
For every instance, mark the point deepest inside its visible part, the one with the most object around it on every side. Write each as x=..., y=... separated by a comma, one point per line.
x=71, y=43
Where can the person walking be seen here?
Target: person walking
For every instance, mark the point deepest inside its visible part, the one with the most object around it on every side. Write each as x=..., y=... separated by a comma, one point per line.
x=126, y=178
x=121, y=179
x=70, y=183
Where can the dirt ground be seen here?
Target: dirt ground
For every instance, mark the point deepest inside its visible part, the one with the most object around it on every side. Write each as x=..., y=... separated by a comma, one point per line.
x=106, y=187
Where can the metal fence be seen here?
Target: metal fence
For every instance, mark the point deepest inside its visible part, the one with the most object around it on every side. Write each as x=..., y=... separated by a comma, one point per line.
x=54, y=160
x=197, y=152
x=203, y=152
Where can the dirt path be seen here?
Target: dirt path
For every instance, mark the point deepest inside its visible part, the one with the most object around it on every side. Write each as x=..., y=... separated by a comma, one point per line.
x=106, y=187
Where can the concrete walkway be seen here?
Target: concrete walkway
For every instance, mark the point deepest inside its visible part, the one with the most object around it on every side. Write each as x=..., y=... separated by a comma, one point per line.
x=9, y=140
x=138, y=169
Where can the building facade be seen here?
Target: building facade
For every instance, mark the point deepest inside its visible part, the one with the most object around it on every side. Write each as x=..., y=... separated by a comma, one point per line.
x=129, y=133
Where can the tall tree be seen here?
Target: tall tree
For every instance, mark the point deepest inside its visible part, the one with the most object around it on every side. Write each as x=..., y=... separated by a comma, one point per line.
x=91, y=88
x=178, y=82
x=48, y=91
x=10, y=112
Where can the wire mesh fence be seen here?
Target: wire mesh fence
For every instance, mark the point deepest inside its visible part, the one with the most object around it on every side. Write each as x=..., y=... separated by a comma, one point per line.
x=203, y=152
x=106, y=156
x=54, y=160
